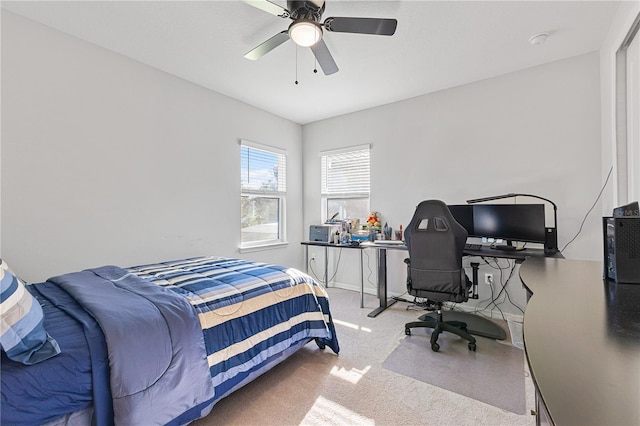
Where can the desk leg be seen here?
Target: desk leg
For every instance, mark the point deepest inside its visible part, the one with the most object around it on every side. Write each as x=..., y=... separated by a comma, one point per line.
x=361, y=282
x=474, y=282
x=326, y=267
x=306, y=259
x=382, y=284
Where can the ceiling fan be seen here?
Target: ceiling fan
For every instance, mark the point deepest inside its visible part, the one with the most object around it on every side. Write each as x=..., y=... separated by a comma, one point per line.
x=306, y=29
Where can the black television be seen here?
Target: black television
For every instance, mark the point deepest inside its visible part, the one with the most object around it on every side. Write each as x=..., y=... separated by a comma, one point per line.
x=511, y=222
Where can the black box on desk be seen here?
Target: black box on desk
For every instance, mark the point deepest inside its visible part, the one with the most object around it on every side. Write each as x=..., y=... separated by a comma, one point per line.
x=621, y=249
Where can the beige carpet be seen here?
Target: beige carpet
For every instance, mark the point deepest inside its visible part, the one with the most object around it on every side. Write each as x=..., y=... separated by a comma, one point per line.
x=316, y=387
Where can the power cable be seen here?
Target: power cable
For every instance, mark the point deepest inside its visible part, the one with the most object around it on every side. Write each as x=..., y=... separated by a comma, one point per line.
x=586, y=215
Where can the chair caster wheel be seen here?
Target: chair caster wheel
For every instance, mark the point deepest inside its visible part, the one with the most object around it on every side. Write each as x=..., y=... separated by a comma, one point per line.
x=407, y=331
x=472, y=347
x=435, y=347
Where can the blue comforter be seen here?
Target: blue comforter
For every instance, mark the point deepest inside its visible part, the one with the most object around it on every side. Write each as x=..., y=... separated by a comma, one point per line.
x=165, y=341
x=75, y=379
x=253, y=315
x=132, y=350
x=155, y=345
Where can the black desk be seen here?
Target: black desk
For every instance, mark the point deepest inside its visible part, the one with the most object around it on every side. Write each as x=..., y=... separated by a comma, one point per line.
x=326, y=247
x=381, y=247
x=518, y=255
x=582, y=340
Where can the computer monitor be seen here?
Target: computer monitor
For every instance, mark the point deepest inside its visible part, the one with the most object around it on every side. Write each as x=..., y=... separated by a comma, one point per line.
x=517, y=222
x=463, y=214
x=511, y=222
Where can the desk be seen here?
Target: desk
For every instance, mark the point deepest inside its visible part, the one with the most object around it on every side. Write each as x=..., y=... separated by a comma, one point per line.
x=381, y=247
x=384, y=301
x=582, y=340
x=326, y=261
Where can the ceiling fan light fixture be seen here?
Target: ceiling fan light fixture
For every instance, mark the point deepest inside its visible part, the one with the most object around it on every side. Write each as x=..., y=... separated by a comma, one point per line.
x=305, y=32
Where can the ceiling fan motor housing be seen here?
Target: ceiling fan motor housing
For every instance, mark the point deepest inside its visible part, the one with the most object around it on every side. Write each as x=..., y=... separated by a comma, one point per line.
x=305, y=9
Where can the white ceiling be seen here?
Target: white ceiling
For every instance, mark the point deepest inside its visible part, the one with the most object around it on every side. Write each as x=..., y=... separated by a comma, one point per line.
x=438, y=44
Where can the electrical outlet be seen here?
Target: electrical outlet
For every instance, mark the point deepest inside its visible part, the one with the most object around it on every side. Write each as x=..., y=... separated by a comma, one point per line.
x=488, y=279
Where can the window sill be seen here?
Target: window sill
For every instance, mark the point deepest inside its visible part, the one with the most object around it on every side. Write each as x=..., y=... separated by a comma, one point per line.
x=261, y=247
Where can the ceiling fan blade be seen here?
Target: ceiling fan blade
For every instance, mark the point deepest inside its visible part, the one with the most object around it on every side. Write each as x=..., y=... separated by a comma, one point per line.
x=266, y=47
x=269, y=7
x=377, y=26
x=322, y=54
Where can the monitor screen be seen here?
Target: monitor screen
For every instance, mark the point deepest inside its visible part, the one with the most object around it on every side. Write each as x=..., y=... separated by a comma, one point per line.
x=516, y=222
x=463, y=214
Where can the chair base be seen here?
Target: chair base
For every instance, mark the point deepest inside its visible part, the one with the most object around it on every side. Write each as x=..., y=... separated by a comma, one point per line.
x=477, y=325
x=458, y=328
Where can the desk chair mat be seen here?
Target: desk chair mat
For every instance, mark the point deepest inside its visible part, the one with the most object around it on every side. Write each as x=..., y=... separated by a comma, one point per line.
x=476, y=324
x=494, y=374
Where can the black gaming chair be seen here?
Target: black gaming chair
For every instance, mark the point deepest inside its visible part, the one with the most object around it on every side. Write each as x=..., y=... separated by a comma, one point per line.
x=434, y=267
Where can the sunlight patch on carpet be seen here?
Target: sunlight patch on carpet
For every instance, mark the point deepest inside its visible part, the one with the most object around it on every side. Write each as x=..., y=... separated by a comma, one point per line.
x=351, y=325
x=352, y=376
x=325, y=412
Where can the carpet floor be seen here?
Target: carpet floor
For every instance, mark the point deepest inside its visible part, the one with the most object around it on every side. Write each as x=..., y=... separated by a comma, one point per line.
x=317, y=387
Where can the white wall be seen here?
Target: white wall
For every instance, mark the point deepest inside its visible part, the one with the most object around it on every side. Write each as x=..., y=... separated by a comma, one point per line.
x=534, y=131
x=108, y=161
x=620, y=26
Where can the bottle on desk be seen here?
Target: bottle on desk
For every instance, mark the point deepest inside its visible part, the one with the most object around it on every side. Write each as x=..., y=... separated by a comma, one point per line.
x=398, y=234
x=387, y=232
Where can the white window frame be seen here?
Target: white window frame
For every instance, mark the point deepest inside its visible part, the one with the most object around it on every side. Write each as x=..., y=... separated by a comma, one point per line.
x=361, y=190
x=280, y=194
x=627, y=146
x=633, y=114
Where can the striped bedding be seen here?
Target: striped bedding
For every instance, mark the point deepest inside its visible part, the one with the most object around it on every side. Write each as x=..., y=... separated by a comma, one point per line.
x=253, y=315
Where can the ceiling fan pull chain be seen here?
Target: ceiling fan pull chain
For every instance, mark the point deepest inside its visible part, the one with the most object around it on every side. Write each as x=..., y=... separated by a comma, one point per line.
x=296, y=64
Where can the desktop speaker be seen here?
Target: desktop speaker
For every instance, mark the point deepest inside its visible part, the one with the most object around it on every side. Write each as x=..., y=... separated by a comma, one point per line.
x=621, y=249
x=550, y=240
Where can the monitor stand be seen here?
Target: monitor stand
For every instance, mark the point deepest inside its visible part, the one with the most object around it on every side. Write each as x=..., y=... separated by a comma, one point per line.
x=476, y=324
x=505, y=247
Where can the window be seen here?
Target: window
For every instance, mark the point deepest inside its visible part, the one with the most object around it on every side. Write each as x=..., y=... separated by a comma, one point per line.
x=628, y=116
x=345, y=180
x=633, y=115
x=263, y=194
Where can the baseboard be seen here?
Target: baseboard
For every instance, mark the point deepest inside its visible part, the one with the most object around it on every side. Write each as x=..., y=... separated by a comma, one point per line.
x=369, y=289
x=493, y=314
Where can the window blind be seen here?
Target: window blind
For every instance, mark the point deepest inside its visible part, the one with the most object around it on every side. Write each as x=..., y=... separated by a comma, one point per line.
x=262, y=171
x=346, y=172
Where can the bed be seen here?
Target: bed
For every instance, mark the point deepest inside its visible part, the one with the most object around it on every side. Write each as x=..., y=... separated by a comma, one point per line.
x=159, y=343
